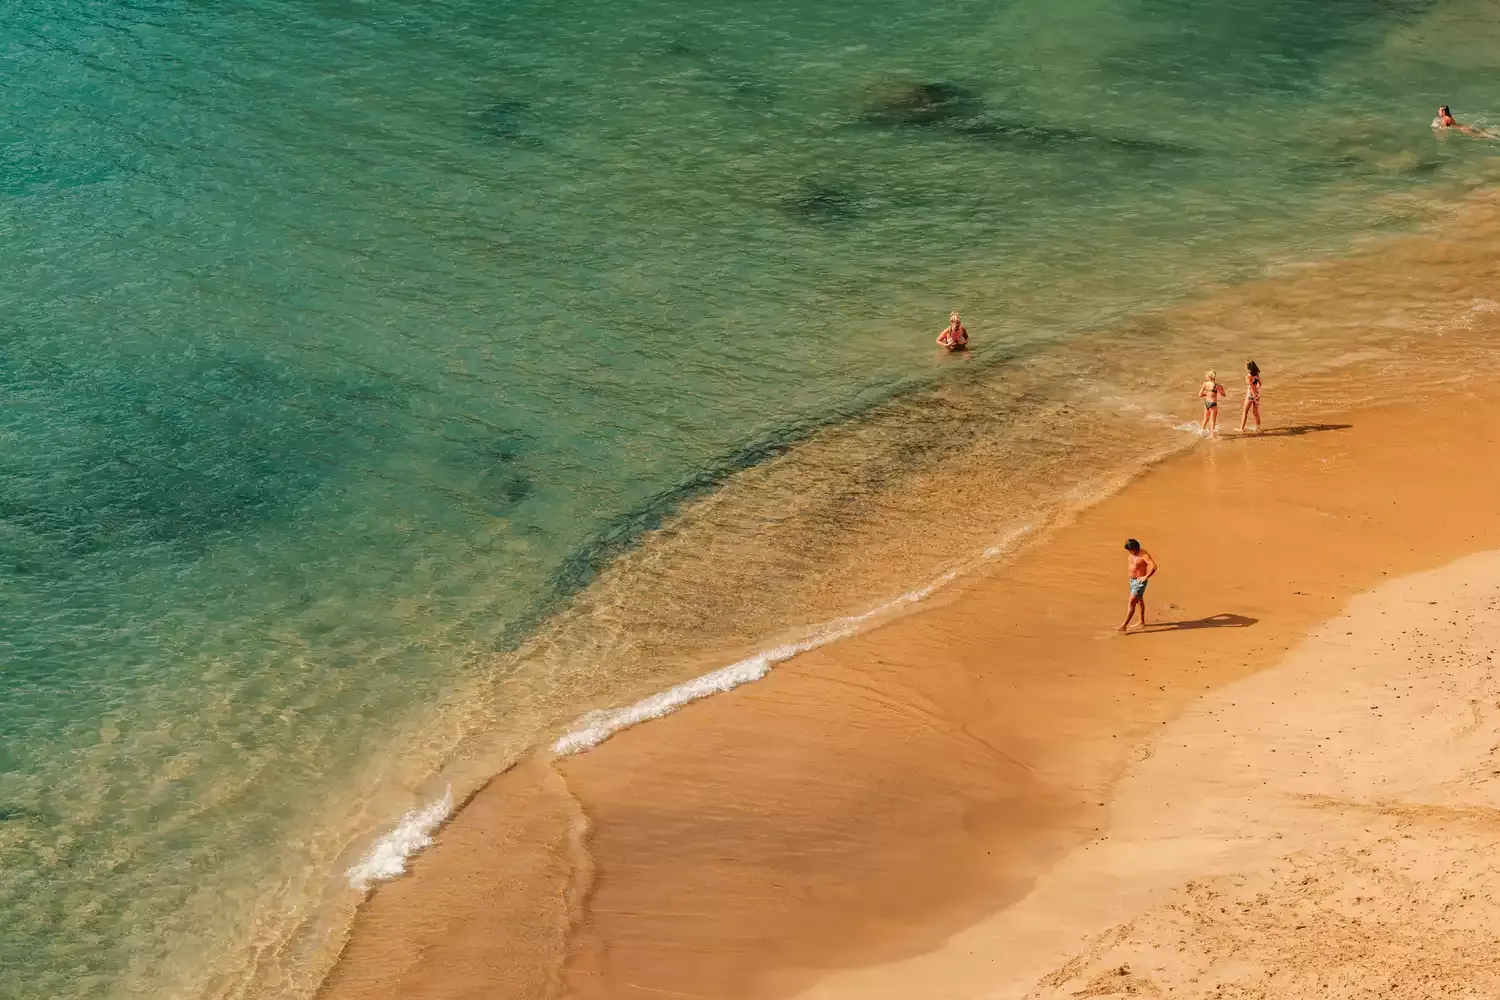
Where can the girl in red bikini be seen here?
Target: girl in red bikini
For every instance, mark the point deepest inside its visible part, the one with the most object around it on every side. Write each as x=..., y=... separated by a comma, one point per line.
x=1252, y=396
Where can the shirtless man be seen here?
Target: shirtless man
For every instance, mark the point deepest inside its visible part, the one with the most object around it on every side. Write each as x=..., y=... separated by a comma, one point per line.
x=1140, y=567
x=954, y=337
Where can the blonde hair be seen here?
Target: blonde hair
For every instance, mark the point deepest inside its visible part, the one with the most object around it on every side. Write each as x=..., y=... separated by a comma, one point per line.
x=1211, y=377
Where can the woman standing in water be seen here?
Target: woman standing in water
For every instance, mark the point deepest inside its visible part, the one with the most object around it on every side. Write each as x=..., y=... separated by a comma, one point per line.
x=954, y=337
x=1210, y=392
x=1252, y=396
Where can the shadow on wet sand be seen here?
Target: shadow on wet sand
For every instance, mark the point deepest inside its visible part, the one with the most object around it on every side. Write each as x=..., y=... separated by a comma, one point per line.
x=1212, y=621
x=1296, y=431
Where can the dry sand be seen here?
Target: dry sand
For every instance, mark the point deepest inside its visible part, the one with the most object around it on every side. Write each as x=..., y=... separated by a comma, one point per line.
x=871, y=820
x=1327, y=828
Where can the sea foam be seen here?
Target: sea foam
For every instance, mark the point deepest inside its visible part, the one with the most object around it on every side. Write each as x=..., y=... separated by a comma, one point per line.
x=387, y=856
x=596, y=727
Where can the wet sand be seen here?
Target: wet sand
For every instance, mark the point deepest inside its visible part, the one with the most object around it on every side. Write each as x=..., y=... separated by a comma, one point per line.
x=873, y=798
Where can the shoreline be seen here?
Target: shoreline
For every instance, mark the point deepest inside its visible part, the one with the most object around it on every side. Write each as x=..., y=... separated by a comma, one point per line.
x=784, y=548
x=394, y=390
x=829, y=748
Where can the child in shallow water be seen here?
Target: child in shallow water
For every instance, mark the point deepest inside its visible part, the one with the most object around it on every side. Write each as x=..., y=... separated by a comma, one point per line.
x=1210, y=392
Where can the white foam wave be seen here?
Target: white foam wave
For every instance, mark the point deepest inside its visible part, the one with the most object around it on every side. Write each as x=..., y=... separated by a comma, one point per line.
x=1177, y=423
x=596, y=727
x=1006, y=541
x=387, y=856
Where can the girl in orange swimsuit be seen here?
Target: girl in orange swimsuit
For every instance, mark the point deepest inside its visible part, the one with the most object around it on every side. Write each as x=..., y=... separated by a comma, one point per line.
x=1252, y=395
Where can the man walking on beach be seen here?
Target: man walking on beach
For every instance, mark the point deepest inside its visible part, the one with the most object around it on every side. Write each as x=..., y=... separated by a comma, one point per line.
x=1140, y=567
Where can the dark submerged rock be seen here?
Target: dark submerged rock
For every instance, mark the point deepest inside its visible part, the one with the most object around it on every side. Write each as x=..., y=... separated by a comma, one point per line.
x=822, y=203
x=920, y=104
x=487, y=463
x=1045, y=137
x=507, y=121
x=948, y=108
x=505, y=486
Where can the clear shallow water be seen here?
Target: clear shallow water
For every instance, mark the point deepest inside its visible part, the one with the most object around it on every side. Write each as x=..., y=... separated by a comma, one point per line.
x=343, y=342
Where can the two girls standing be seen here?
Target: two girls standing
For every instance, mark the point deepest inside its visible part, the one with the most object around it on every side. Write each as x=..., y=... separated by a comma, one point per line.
x=1213, y=390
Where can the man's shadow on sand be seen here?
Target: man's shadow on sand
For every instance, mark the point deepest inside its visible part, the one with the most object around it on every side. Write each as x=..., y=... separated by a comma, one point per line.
x=1296, y=431
x=1212, y=621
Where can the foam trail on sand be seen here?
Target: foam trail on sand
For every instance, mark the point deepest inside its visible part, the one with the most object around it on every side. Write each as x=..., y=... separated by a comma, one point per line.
x=387, y=856
x=1006, y=541
x=596, y=727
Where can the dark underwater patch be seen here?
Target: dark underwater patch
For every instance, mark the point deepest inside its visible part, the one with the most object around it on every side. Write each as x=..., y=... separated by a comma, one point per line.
x=510, y=487
x=950, y=109
x=511, y=121
x=1026, y=135
x=1212, y=51
x=822, y=203
x=155, y=454
x=489, y=462
x=920, y=104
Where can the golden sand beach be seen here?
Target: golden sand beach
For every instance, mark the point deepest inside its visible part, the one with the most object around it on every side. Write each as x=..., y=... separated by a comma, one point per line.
x=998, y=795
x=1326, y=828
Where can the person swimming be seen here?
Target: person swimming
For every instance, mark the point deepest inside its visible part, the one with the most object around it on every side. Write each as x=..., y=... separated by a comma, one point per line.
x=1445, y=121
x=954, y=337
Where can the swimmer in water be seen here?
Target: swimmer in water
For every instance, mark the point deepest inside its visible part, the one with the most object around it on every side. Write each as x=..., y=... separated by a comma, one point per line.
x=954, y=337
x=1252, y=396
x=1210, y=392
x=1445, y=121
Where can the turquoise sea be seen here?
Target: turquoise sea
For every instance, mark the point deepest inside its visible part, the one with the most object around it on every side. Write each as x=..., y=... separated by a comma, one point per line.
x=344, y=343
